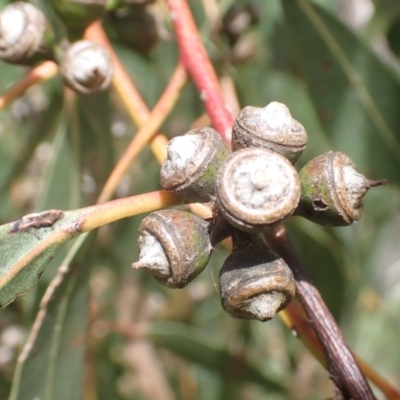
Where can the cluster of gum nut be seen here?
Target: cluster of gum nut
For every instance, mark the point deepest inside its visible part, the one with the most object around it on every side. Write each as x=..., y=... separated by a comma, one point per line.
x=250, y=190
x=26, y=37
x=253, y=189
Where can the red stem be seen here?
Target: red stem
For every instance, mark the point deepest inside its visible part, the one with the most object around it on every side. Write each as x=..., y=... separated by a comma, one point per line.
x=199, y=67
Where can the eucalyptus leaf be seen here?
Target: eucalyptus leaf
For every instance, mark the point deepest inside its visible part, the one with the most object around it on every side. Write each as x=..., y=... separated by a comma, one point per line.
x=27, y=245
x=57, y=371
x=51, y=364
x=37, y=134
x=355, y=95
x=193, y=345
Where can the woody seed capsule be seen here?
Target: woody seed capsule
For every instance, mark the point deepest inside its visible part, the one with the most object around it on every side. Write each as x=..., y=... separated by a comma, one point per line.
x=192, y=163
x=332, y=190
x=256, y=189
x=271, y=127
x=174, y=245
x=255, y=283
x=86, y=67
x=23, y=33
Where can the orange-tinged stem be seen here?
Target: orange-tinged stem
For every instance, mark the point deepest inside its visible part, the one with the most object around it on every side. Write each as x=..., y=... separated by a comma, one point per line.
x=126, y=90
x=121, y=81
x=41, y=73
x=101, y=214
x=147, y=131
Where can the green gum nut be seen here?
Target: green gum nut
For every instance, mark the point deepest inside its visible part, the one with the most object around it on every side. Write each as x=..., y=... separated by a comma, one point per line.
x=134, y=27
x=332, y=190
x=174, y=246
x=192, y=163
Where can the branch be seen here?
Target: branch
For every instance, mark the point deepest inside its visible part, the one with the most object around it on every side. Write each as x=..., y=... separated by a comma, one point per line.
x=340, y=361
x=198, y=64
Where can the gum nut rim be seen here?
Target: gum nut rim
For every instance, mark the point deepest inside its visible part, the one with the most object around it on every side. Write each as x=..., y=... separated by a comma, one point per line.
x=87, y=67
x=187, y=157
x=345, y=177
x=272, y=123
x=256, y=188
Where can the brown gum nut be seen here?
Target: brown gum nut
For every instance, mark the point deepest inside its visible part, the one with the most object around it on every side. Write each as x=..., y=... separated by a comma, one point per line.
x=22, y=30
x=257, y=188
x=350, y=186
x=255, y=283
x=87, y=67
x=174, y=245
x=192, y=163
x=271, y=127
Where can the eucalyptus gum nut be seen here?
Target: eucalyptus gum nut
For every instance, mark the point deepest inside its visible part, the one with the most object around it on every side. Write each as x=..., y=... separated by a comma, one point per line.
x=256, y=189
x=255, y=283
x=24, y=33
x=86, y=67
x=332, y=190
x=135, y=28
x=271, y=127
x=192, y=164
x=174, y=245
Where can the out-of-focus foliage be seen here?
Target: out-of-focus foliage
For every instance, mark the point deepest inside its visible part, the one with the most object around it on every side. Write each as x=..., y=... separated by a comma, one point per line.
x=114, y=333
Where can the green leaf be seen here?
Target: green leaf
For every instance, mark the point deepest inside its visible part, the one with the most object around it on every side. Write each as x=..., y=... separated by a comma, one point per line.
x=194, y=346
x=61, y=187
x=57, y=370
x=27, y=246
x=36, y=134
x=356, y=96
x=325, y=259
x=51, y=364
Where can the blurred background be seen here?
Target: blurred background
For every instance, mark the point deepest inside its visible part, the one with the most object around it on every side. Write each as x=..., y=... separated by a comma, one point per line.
x=336, y=65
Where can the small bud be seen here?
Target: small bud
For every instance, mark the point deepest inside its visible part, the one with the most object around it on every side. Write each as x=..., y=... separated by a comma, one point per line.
x=23, y=33
x=238, y=19
x=332, y=190
x=254, y=282
x=271, y=127
x=86, y=67
x=256, y=189
x=135, y=28
x=174, y=245
x=192, y=163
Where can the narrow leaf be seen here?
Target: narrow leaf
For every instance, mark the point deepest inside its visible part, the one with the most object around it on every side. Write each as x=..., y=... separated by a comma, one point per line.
x=191, y=344
x=51, y=364
x=27, y=245
x=356, y=96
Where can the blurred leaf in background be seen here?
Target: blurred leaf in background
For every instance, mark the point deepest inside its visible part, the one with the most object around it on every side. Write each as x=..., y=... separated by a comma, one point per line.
x=115, y=333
